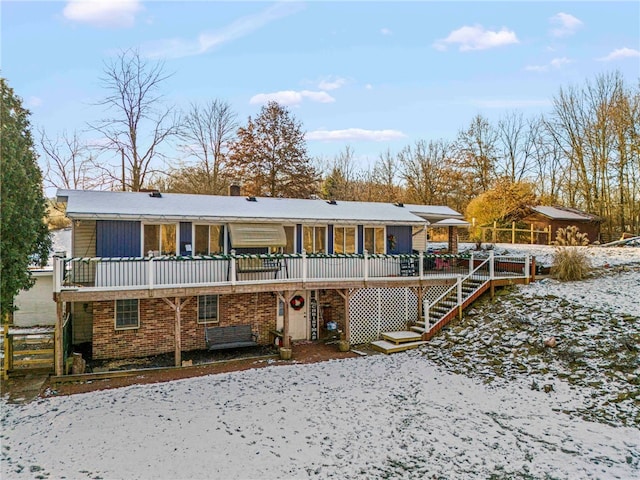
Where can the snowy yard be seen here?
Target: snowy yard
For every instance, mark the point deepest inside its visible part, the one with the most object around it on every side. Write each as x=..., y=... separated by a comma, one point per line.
x=412, y=415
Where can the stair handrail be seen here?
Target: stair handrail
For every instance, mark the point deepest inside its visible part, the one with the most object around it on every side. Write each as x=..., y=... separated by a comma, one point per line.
x=450, y=289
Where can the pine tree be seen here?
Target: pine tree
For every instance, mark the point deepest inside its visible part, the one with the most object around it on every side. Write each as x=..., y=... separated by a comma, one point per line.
x=25, y=237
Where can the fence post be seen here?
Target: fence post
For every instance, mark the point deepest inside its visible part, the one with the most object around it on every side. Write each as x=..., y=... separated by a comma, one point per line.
x=8, y=354
x=513, y=233
x=494, y=235
x=549, y=236
x=366, y=265
x=304, y=266
x=527, y=269
x=471, y=264
x=531, y=241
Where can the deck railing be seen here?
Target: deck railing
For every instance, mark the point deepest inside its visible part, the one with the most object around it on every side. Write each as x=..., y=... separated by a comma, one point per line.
x=166, y=272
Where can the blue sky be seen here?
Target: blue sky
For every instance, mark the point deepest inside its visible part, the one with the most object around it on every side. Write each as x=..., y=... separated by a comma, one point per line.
x=376, y=76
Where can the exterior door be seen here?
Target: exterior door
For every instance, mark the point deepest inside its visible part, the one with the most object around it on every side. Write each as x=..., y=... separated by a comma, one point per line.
x=298, y=325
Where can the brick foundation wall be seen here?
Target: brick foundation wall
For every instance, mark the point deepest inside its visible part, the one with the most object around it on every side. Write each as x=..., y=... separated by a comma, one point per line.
x=156, y=333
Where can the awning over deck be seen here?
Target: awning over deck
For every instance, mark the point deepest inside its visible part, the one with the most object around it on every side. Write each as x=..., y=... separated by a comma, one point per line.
x=451, y=222
x=251, y=235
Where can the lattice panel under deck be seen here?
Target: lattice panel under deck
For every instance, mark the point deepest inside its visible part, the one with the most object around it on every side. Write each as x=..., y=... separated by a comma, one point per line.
x=375, y=310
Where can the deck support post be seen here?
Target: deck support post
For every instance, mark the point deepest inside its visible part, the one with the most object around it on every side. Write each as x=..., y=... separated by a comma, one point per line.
x=459, y=296
x=58, y=340
x=285, y=297
x=346, y=294
x=177, y=307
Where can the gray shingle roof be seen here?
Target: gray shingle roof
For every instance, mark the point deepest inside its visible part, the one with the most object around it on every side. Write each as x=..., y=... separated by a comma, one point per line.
x=187, y=207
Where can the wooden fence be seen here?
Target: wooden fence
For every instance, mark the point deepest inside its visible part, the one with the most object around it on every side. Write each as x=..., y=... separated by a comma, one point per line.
x=513, y=235
x=27, y=349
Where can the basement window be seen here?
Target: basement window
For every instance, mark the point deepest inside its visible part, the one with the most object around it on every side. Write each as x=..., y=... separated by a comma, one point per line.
x=127, y=314
x=208, y=309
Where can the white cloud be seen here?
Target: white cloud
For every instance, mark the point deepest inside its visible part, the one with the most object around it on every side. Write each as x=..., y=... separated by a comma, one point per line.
x=355, y=134
x=621, y=53
x=332, y=83
x=291, y=97
x=178, y=48
x=386, y=31
x=477, y=38
x=34, y=102
x=103, y=13
x=511, y=103
x=556, y=64
x=565, y=24
x=368, y=86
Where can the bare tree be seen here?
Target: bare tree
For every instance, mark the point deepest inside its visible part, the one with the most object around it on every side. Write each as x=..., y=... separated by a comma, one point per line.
x=426, y=170
x=515, y=140
x=139, y=124
x=69, y=164
x=385, y=176
x=342, y=177
x=477, y=154
x=206, y=133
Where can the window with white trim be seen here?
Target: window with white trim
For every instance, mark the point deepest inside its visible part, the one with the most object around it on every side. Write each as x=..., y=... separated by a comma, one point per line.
x=127, y=314
x=344, y=239
x=160, y=238
x=314, y=239
x=208, y=240
x=208, y=309
x=374, y=239
x=290, y=247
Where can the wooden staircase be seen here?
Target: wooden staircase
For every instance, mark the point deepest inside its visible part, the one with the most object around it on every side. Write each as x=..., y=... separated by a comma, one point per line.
x=447, y=307
x=393, y=342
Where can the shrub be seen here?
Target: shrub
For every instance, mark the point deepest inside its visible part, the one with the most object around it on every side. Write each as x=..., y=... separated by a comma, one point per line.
x=571, y=237
x=570, y=263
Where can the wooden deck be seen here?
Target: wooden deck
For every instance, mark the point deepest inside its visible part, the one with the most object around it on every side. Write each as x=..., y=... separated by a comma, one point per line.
x=388, y=347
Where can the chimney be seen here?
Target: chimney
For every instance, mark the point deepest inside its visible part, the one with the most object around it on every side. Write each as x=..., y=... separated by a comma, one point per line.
x=234, y=190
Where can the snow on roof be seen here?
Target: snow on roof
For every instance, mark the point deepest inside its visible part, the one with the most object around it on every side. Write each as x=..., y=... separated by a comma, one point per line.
x=174, y=206
x=433, y=213
x=451, y=222
x=563, y=213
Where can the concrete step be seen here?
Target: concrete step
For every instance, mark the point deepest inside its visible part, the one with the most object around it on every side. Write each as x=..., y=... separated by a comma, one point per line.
x=400, y=337
x=388, y=347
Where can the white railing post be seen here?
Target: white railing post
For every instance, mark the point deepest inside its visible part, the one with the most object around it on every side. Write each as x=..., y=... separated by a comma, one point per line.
x=491, y=265
x=426, y=317
x=233, y=267
x=151, y=274
x=459, y=288
x=527, y=268
x=366, y=265
x=304, y=266
x=58, y=270
x=421, y=263
x=471, y=264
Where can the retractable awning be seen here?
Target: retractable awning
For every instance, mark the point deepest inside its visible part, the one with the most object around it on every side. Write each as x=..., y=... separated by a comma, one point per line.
x=451, y=222
x=251, y=235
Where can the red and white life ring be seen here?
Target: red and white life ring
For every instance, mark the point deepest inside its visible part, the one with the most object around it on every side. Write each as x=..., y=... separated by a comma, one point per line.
x=297, y=302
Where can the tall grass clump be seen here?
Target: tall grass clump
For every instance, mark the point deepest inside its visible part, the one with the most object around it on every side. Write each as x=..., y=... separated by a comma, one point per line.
x=569, y=261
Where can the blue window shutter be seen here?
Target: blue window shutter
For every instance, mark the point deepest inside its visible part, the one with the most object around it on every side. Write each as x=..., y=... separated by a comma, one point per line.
x=185, y=238
x=402, y=239
x=299, y=238
x=118, y=238
x=361, y=239
x=329, y=239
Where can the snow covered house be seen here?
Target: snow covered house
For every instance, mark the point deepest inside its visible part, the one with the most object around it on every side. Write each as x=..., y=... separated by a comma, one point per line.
x=152, y=272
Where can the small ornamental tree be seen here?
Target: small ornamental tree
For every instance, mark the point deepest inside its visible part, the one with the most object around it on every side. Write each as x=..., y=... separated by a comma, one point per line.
x=25, y=238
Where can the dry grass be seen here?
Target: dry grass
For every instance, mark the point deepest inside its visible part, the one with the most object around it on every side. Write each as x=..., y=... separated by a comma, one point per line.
x=570, y=263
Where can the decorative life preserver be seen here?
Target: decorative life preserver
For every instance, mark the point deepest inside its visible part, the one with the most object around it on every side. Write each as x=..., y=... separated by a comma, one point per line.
x=297, y=302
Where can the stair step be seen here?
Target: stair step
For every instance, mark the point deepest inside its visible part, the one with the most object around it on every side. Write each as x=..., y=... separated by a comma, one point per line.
x=418, y=329
x=401, y=337
x=388, y=347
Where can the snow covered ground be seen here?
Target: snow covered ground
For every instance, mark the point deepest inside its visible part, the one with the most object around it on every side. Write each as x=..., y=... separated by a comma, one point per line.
x=397, y=416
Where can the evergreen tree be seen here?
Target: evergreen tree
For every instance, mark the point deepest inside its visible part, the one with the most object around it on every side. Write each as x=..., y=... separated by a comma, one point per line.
x=25, y=238
x=270, y=156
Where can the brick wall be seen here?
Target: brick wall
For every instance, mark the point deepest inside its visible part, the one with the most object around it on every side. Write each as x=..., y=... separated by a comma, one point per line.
x=332, y=305
x=156, y=333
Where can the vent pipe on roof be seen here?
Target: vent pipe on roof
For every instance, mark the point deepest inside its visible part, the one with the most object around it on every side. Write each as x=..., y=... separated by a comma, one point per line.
x=234, y=190
x=251, y=199
x=155, y=194
x=332, y=202
x=398, y=204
